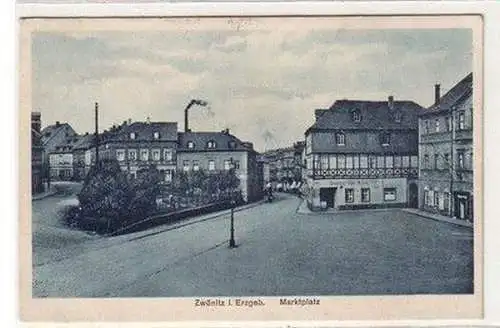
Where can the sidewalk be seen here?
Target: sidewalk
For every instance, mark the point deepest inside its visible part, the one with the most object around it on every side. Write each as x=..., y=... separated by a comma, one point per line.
x=43, y=195
x=438, y=217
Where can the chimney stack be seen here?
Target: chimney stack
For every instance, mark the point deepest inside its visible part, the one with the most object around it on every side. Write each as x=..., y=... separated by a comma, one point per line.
x=437, y=94
x=390, y=102
x=58, y=123
x=36, y=121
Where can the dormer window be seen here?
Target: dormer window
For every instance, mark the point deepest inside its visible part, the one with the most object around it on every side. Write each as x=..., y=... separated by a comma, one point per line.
x=133, y=135
x=356, y=115
x=232, y=144
x=397, y=117
x=386, y=139
x=156, y=135
x=211, y=144
x=190, y=145
x=340, y=139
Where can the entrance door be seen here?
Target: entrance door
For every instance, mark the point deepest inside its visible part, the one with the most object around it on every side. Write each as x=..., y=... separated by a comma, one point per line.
x=413, y=197
x=461, y=210
x=328, y=195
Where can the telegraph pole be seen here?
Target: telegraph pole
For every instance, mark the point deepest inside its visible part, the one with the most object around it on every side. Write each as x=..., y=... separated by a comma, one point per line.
x=97, y=134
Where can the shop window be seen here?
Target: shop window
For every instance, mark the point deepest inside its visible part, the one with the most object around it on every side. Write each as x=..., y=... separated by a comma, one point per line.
x=365, y=195
x=389, y=194
x=349, y=195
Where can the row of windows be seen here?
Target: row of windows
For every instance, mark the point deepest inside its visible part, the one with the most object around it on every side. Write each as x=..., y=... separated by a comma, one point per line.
x=442, y=161
x=134, y=135
x=448, y=124
x=389, y=195
x=211, y=144
x=340, y=139
x=144, y=154
x=356, y=116
x=363, y=161
x=195, y=165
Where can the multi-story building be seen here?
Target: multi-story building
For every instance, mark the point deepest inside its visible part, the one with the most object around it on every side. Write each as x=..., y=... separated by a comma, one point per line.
x=446, y=153
x=61, y=160
x=217, y=151
x=36, y=153
x=82, y=154
x=53, y=138
x=363, y=154
x=139, y=145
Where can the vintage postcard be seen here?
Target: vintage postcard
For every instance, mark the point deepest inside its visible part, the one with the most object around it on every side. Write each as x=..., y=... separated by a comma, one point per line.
x=251, y=168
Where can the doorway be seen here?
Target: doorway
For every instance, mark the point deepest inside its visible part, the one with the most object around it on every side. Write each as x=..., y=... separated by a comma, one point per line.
x=328, y=195
x=413, y=196
x=462, y=206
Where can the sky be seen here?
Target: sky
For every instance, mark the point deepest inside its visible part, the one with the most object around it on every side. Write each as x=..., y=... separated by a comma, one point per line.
x=262, y=84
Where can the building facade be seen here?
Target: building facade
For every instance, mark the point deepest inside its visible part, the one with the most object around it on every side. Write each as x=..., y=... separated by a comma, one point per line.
x=284, y=165
x=139, y=145
x=36, y=154
x=54, y=138
x=221, y=151
x=363, y=154
x=446, y=153
x=61, y=164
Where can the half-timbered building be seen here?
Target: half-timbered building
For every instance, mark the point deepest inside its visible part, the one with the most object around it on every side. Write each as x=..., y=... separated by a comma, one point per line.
x=363, y=154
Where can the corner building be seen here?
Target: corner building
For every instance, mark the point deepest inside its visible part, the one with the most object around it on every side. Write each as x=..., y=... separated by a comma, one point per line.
x=363, y=154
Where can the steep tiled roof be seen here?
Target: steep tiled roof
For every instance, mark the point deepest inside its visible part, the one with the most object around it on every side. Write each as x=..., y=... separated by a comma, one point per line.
x=224, y=141
x=144, y=131
x=68, y=144
x=374, y=115
x=453, y=97
x=85, y=142
x=51, y=130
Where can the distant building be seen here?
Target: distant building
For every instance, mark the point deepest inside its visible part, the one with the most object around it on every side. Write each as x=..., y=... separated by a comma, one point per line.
x=53, y=137
x=218, y=151
x=61, y=160
x=36, y=153
x=83, y=151
x=284, y=165
x=363, y=154
x=446, y=152
x=140, y=145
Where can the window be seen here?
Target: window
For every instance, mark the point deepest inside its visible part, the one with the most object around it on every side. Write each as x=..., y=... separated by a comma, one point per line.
x=386, y=139
x=133, y=135
x=425, y=164
x=436, y=199
x=373, y=162
x=324, y=162
x=460, y=160
x=426, y=127
x=340, y=139
x=156, y=135
x=211, y=165
x=237, y=164
x=185, y=166
x=365, y=195
x=190, y=145
x=168, y=154
x=448, y=123
x=414, y=161
x=333, y=161
x=436, y=161
x=363, y=161
x=406, y=161
x=389, y=162
x=426, y=197
x=461, y=121
x=232, y=144
x=349, y=195
x=211, y=144
x=356, y=162
x=437, y=125
x=446, y=161
x=397, y=161
x=349, y=162
x=120, y=155
x=356, y=116
x=196, y=165
x=440, y=201
x=132, y=155
x=144, y=154
x=341, y=161
x=446, y=201
x=397, y=117
x=168, y=176
x=380, y=162
x=155, y=153
x=227, y=165
x=316, y=162
x=389, y=194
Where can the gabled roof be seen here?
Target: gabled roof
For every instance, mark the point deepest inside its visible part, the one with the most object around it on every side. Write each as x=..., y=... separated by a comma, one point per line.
x=52, y=130
x=374, y=115
x=85, y=142
x=144, y=131
x=224, y=141
x=458, y=93
x=68, y=145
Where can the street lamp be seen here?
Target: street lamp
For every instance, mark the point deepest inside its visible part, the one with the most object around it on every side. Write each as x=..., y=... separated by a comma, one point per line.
x=198, y=102
x=232, y=243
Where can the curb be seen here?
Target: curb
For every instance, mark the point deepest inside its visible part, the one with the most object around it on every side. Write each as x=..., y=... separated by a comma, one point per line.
x=445, y=220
